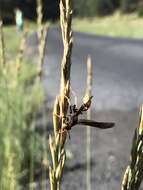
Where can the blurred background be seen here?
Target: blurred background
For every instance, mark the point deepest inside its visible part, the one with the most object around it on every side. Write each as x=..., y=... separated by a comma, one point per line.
x=89, y=15
x=111, y=32
x=89, y=8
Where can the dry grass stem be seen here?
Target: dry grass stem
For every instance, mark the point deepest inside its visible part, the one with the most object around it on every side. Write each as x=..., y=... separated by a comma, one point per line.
x=42, y=48
x=20, y=55
x=39, y=18
x=61, y=104
x=134, y=172
x=88, y=129
x=65, y=19
x=2, y=45
x=42, y=37
x=56, y=115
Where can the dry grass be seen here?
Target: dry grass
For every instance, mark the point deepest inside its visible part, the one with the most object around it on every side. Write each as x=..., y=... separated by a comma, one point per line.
x=88, y=130
x=134, y=173
x=61, y=104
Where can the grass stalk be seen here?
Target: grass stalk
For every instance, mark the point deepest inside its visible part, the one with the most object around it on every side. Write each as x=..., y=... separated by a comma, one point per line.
x=45, y=160
x=42, y=37
x=88, y=129
x=39, y=18
x=20, y=56
x=2, y=46
x=61, y=104
x=31, y=180
x=42, y=48
x=133, y=175
x=66, y=21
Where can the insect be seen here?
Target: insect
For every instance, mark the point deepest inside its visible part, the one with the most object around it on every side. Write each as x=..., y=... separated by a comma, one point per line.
x=73, y=118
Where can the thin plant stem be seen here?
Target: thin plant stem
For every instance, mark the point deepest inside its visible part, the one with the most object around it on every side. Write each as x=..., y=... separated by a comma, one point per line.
x=133, y=175
x=88, y=129
x=39, y=18
x=2, y=46
x=42, y=48
x=32, y=165
x=57, y=142
x=20, y=56
x=42, y=37
x=66, y=21
x=45, y=162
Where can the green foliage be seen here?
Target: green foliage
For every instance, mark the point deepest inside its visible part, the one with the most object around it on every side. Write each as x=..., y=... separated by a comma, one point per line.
x=95, y=7
x=116, y=3
x=116, y=25
x=103, y=7
x=80, y=8
x=18, y=139
x=23, y=150
x=50, y=9
x=140, y=8
x=128, y=6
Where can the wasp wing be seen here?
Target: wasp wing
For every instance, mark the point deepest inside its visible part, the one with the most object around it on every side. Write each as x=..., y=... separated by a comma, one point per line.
x=100, y=125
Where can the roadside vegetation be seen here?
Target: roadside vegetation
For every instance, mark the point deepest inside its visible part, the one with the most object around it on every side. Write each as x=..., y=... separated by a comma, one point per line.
x=22, y=149
x=116, y=25
x=13, y=37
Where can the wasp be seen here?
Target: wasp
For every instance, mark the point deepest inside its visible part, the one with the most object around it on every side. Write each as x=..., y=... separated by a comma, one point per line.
x=73, y=118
